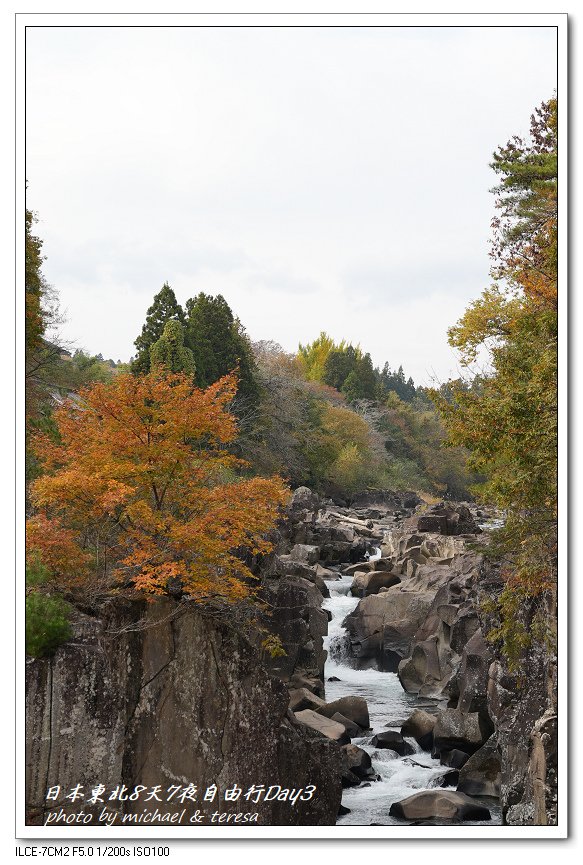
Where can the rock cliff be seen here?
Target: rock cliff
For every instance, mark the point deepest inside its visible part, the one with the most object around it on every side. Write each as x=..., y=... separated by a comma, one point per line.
x=159, y=694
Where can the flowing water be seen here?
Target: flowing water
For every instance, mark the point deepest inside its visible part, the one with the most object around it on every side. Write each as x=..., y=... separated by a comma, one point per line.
x=389, y=706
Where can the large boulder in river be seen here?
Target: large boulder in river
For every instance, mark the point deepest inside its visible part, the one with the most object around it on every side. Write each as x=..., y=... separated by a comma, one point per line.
x=440, y=805
x=369, y=583
x=356, y=766
x=393, y=741
x=480, y=775
x=354, y=708
x=382, y=626
x=419, y=726
x=464, y=731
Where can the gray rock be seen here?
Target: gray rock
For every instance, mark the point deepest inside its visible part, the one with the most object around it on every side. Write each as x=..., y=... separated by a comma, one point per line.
x=392, y=740
x=455, y=729
x=480, y=775
x=301, y=698
x=439, y=804
x=454, y=758
x=326, y=726
x=351, y=728
x=151, y=693
x=419, y=726
x=305, y=553
x=369, y=583
x=354, y=708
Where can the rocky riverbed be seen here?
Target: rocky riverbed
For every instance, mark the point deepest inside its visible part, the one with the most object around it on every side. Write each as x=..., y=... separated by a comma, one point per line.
x=388, y=698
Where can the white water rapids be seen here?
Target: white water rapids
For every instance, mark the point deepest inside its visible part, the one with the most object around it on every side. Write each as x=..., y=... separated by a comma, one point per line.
x=389, y=706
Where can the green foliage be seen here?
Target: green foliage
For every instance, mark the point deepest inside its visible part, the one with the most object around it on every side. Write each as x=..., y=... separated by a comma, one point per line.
x=219, y=345
x=509, y=420
x=395, y=382
x=164, y=308
x=47, y=623
x=273, y=646
x=170, y=352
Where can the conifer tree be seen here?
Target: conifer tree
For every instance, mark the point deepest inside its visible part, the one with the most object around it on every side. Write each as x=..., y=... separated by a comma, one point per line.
x=218, y=343
x=164, y=308
x=169, y=352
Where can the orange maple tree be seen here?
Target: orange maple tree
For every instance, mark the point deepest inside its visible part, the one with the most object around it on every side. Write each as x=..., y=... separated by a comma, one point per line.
x=139, y=489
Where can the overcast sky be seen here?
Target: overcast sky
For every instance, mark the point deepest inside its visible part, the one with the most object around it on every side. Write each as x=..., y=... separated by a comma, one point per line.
x=319, y=178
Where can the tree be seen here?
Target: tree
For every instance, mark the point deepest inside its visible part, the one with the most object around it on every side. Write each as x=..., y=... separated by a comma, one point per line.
x=509, y=422
x=164, y=308
x=170, y=353
x=219, y=344
x=313, y=356
x=42, y=351
x=139, y=491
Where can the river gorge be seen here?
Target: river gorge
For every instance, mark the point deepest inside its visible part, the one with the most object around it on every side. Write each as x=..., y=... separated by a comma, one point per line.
x=388, y=699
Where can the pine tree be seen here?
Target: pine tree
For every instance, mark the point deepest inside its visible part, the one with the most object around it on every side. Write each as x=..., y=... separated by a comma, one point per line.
x=164, y=308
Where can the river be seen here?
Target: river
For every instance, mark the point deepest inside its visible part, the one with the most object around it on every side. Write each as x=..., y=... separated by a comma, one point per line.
x=389, y=706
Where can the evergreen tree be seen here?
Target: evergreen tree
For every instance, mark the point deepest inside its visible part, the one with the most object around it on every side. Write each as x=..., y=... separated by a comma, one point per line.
x=164, y=308
x=338, y=365
x=219, y=344
x=170, y=352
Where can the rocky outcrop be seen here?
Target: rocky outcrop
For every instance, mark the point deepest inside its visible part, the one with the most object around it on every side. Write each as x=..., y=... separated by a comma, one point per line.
x=446, y=519
x=422, y=618
x=523, y=708
x=297, y=619
x=162, y=695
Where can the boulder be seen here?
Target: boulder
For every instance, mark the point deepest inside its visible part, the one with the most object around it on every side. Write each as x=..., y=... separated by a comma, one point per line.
x=326, y=726
x=472, y=674
x=454, y=758
x=422, y=668
x=448, y=779
x=382, y=626
x=351, y=728
x=359, y=567
x=303, y=499
x=433, y=523
x=419, y=726
x=439, y=804
x=326, y=573
x=480, y=775
x=354, y=708
x=370, y=582
x=463, y=731
x=301, y=698
x=305, y=553
x=310, y=683
x=394, y=741
x=357, y=761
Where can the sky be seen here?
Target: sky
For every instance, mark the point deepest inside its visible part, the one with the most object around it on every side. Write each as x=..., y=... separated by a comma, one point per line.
x=320, y=178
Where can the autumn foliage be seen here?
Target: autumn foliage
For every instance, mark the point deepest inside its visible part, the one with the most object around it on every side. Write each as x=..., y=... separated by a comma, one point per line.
x=139, y=490
x=507, y=417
